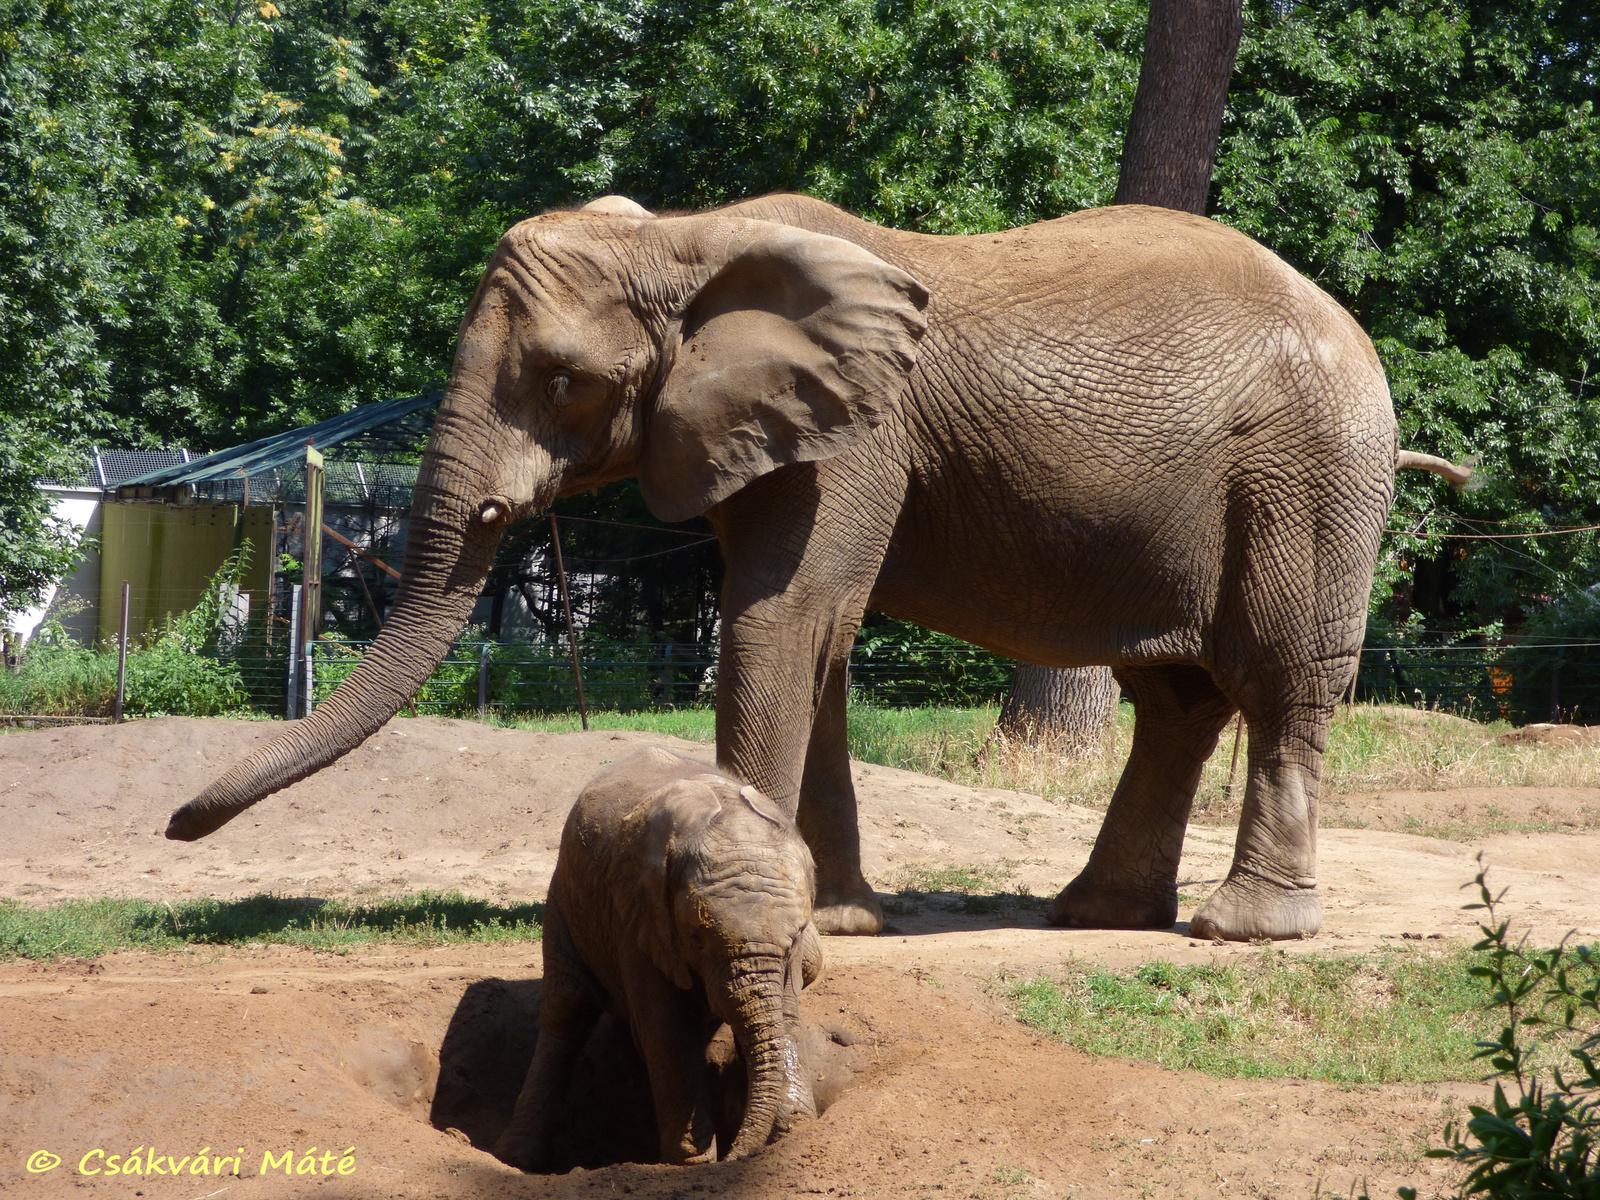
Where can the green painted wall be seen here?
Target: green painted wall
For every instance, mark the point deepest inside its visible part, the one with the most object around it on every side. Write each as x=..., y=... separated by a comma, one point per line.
x=167, y=552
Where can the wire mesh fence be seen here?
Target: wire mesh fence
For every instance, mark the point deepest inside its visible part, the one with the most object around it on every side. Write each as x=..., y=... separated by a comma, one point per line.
x=1522, y=683
x=538, y=676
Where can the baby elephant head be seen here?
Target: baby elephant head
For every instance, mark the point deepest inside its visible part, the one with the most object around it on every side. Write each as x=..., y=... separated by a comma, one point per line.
x=726, y=908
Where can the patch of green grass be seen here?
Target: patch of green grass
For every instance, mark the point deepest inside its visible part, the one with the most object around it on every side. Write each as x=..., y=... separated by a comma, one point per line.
x=1384, y=1018
x=690, y=724
x=932, y=741
x=915, y=880
x=88, y=928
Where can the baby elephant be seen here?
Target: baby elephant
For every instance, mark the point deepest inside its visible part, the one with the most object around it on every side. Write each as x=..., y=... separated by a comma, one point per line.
x=681, y=900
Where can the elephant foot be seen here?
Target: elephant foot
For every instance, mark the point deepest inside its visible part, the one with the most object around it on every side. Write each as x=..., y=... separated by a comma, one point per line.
x=1247, y=907
x=1087, y=903
x=847, y=910
x=517, y=1150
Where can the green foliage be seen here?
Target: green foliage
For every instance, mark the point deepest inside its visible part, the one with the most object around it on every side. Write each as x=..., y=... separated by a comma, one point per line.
x=36, y=547
x=1436, y=167
x=896, y=664
x=89, y=928
x=218, y=221
x=172, y=674
x=1546, y=1140
x=179, y=670
x=60, y=676
x=1384, y=1018
x=1563, y=636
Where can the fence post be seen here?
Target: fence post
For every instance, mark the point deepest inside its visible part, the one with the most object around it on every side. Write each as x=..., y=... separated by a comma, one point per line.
x=1233, y=767
x=311, y=677
x=122, y=656
x=566, y=607
x=293, y=691
x=483, y=682
x=311, y=563
x=1555, y=686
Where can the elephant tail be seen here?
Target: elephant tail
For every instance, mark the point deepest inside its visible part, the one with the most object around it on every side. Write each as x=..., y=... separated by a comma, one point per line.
x=1458, y=475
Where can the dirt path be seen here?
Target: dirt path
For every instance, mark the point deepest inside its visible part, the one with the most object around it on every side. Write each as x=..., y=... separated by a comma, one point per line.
x=277, y=1049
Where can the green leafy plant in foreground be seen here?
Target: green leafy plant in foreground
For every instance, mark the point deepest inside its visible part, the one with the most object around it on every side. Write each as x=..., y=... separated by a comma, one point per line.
x=1543, y=1142
x=91, y=927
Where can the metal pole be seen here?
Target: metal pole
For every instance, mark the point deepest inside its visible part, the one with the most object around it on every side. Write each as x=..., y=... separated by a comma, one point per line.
x=272, y=570
x=483, y=682
x=1555, y=686
x=355, y=565
x=293, y=691
x=1238, y=732
x=311, y=564
x=122, y=656
x=311, y=677
x=566, y=607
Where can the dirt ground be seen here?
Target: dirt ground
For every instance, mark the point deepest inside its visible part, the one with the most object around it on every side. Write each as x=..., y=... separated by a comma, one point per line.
x=269, y=1050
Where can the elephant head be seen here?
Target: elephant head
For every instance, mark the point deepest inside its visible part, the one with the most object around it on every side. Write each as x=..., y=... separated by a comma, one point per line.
x=696, y=352
x=717, y=887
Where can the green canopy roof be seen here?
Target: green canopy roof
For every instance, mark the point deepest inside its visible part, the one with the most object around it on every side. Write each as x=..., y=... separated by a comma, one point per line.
x=281, y=449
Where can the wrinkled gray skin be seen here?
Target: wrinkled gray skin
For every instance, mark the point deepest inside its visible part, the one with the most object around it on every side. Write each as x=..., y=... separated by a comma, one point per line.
x=681, y=900
x=1129, y=436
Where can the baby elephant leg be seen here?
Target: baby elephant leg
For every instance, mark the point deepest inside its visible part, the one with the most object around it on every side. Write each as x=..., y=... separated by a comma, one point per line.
x=567, y=1016
x=672, y=1030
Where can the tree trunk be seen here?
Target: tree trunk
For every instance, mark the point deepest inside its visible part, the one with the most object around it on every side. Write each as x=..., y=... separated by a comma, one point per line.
x=1189, y=48
x=1067, y=709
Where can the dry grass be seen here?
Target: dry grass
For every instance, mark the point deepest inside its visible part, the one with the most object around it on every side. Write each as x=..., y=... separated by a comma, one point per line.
x=1371, y=748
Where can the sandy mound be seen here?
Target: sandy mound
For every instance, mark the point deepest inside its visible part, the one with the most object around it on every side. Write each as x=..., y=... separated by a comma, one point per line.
x=250, y=1051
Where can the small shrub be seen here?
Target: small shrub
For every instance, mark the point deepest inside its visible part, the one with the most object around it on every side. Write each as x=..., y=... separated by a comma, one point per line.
x=60, y=676
x=179, y=671
x=1545, y=1141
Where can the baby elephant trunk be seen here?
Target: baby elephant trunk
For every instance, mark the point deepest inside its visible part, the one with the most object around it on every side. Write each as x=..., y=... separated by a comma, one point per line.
x=779, y=1094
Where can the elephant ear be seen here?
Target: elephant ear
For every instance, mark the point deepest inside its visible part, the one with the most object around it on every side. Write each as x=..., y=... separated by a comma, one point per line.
x=659, y=830
x=794, y=348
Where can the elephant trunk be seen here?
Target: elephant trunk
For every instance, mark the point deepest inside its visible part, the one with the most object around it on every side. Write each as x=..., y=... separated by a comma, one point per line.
x=449, y=551
x=778, y=1092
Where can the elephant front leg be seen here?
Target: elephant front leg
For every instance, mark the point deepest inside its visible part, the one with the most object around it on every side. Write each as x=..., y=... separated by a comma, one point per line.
x=670, y=1027
x=781, y=726
x=828, y=820
x=1131, y=879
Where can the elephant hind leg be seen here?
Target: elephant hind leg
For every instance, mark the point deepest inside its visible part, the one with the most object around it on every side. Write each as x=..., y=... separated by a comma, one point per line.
x=1131, y=878
x=1271, y=889
x=568, y=1013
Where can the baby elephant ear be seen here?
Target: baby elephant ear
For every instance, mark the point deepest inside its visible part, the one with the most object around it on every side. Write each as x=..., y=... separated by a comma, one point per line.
x=795, y=347
x=659, y=830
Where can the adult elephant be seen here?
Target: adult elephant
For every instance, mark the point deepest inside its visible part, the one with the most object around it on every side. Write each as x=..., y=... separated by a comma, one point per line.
x=1129, y=436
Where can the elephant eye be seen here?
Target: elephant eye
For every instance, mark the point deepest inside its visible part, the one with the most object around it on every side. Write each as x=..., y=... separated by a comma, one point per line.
x=556, y=387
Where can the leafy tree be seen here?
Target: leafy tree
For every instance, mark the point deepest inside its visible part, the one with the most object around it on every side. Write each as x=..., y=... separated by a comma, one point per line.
x=1437, y=168
x=218, y=220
